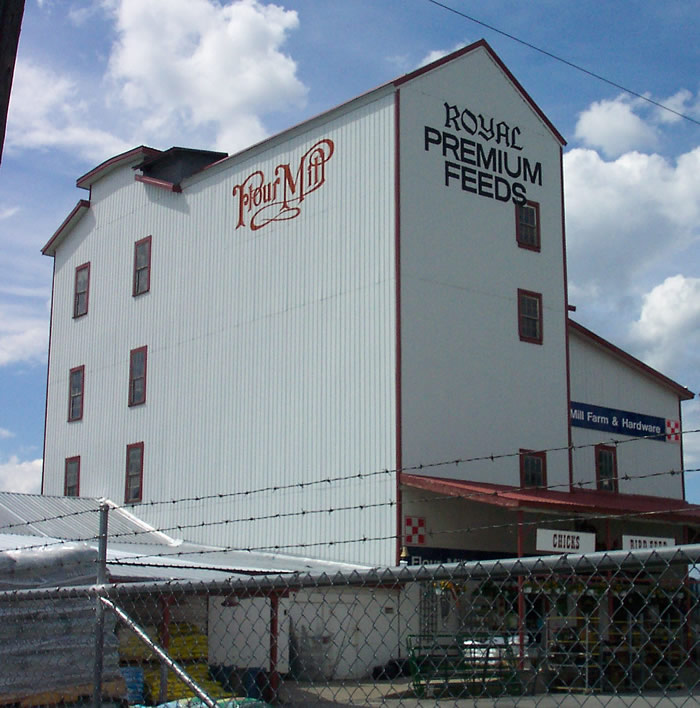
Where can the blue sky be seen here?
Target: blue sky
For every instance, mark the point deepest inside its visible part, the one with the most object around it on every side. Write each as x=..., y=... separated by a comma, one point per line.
x=97, y=77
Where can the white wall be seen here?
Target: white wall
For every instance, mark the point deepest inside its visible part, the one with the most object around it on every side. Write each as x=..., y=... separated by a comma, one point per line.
x=600, y=378
x=470, y=387
x=271, y=352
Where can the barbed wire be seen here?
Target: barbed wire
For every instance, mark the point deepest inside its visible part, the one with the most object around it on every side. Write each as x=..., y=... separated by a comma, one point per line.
x=433, y=497
x=360, y=476
x=277, y=548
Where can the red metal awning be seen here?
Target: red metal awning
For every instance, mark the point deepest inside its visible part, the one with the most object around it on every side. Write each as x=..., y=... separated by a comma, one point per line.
x=579, y=501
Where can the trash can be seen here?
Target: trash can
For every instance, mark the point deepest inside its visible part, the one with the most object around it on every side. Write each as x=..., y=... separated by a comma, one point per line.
x=252, y=678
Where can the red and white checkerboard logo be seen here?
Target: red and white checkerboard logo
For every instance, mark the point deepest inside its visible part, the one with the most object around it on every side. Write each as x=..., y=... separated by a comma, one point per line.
x=673, y=430
x=414, y=531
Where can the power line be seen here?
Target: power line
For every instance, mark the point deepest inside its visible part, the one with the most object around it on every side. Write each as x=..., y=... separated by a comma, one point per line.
x=564, y=61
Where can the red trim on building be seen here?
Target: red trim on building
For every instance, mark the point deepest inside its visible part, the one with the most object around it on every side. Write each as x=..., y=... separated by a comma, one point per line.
x=74, y=370
x=76, y=458
x=68, y=222
x=147, y=267
x=483, y=44
x=162, y=183
x=140, y=447
x=542, y=457
x=519, y=239
x=680, y=420
x=113, y=162
x=76, y=312
x=133, y=399
x=613, y=480
x=684, y=393
x=579, y=501
x=567, y=307
x=524, y=337
x=397, y=329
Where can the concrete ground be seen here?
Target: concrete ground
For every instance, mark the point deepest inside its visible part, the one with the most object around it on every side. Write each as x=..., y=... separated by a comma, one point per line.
x=398, y=692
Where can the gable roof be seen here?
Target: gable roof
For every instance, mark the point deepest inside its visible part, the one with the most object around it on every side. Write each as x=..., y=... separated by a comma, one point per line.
x=681, y=391
x=483, y=44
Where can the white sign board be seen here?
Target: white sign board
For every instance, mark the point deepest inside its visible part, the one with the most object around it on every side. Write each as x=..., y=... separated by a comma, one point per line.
x=557, y=541
x=633, y=543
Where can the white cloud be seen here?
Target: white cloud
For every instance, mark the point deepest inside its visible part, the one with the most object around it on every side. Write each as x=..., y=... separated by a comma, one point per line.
x=23, y=335
x=614, y=127
x=198, y=64
x=668, y=327
x=48, y=111
x=8, y=212
x=24, y=477
x=682, y=102
x=180, y=72
x=5, y=434
x=436, y=54
x=639, y=211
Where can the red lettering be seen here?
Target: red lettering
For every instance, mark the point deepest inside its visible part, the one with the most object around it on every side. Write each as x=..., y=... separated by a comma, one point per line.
x=255, y=193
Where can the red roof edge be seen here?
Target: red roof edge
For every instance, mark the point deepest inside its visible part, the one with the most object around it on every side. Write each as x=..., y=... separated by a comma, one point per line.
x=164, y=184
x=108, y=165
x=576, y=502
x=483, y=44
x=82, y=205
x=683, y=392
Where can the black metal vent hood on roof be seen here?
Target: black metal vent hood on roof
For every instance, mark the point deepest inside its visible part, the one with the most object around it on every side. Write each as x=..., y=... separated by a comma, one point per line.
x=178, y=163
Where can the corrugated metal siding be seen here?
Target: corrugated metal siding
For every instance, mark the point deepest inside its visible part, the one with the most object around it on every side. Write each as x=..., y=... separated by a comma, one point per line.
x=597, y=378
x=270, y=353
x=470, y=387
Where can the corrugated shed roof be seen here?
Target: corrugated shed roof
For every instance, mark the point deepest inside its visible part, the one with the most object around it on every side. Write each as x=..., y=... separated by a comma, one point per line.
x=72, y=518
x=43, y=529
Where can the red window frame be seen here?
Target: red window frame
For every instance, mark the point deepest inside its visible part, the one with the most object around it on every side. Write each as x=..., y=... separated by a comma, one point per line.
x=79, y=396
x=533, y=454
x=142, y=272
x=133, y=487
x=606, y=484
x=71, y=461
x=524, y=318
x=137, y=396
x=527, y=235
x=80, y=306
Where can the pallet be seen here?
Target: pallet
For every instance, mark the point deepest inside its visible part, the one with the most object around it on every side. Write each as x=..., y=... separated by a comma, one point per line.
x=111, y=690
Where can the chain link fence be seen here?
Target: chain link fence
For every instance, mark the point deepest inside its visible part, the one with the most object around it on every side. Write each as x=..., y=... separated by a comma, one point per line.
x=615, y=628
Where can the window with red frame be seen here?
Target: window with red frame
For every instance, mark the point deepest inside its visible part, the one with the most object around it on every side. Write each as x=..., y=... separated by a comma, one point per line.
x=71, y=479
x=530, y=316
x=142, y=266
x=606, y=468
x=134, y=473
x=527, y=225
x=81, y=290
x=76, y=393
x=137, y=376
x=533, y=469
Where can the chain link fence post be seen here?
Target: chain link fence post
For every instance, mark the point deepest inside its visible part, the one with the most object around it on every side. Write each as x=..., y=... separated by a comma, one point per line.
x=99, y=608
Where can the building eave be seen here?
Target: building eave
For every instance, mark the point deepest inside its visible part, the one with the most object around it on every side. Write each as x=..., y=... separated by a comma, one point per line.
x=64, y=229
x=103, y=169
x=578, y=501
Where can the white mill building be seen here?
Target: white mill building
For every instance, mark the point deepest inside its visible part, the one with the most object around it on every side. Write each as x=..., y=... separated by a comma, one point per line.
x=298, y=337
